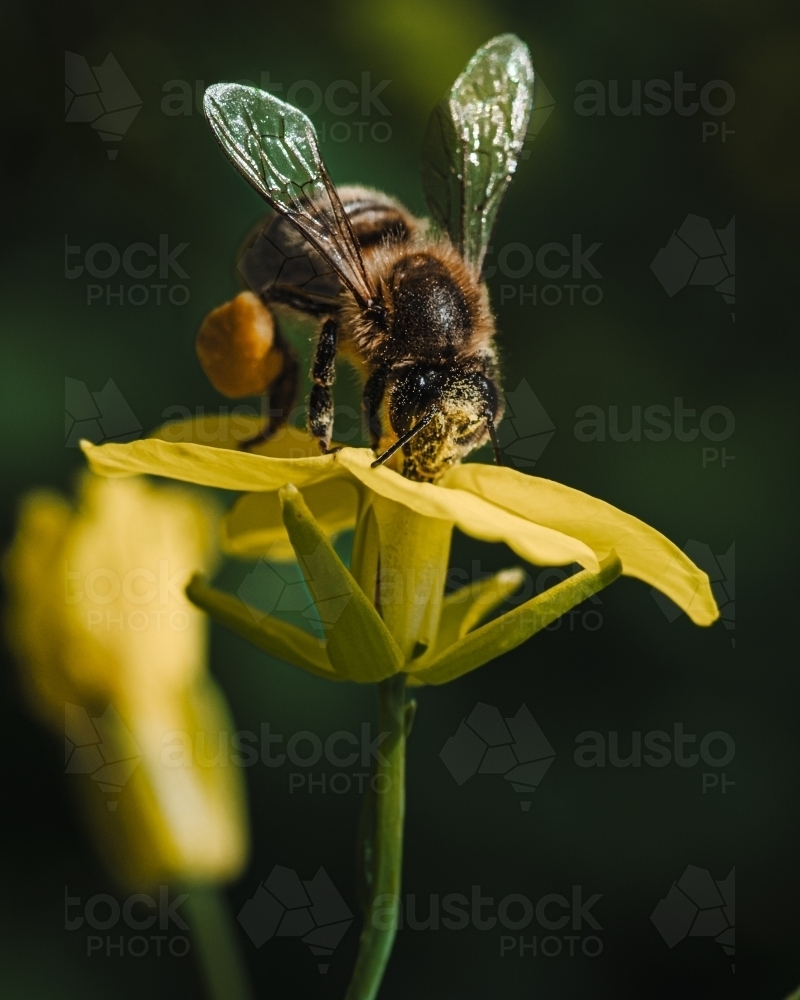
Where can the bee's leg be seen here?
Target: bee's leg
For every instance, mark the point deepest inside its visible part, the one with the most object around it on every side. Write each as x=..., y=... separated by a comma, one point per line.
x=283, y=391
x=323, y=371
x=280, y=397
x=371, y=403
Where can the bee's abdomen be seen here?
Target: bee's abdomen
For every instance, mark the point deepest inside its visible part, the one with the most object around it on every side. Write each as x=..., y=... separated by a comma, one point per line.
x=430, y=308
x=279, y=264
x=375, y=217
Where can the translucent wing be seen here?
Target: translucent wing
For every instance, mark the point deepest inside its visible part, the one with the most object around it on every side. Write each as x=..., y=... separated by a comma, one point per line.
x=280, y=265
x=473, y=142
x=275, y=147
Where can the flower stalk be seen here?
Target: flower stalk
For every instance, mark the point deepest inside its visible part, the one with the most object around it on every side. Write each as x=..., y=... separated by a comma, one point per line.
x=380, y=850
x=216, y=944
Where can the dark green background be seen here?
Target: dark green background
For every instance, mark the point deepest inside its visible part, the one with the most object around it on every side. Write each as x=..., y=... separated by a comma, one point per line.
x=626, y=182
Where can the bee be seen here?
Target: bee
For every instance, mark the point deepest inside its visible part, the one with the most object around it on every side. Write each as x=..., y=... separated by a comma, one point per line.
x=397, y=296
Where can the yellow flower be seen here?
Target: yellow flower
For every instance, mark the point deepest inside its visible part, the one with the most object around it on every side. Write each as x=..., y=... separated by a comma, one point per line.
x=390, y=611
x=113, y=656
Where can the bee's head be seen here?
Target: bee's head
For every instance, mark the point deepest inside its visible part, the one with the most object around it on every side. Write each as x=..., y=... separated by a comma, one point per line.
x=439, y=415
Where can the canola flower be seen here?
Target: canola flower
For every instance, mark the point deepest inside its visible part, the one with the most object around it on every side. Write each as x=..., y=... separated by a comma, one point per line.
x=397, y=617
x=387, y=618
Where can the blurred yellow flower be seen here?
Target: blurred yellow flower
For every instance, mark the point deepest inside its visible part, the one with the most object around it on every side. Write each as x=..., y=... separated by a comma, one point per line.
x=114, y=657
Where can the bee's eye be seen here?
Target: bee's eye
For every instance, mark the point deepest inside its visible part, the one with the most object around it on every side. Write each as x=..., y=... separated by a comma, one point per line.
x=413, y=397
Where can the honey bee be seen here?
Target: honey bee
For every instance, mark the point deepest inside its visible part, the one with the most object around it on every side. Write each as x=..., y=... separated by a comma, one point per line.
x=398, y=297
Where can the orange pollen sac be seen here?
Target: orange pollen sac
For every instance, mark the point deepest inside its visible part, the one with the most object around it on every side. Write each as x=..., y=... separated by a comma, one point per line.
x=236, y=345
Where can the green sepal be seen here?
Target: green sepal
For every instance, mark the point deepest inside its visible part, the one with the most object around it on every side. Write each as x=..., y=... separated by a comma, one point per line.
x=466, y=608
x=273, y=636
x=511, y=629
x=359, y=645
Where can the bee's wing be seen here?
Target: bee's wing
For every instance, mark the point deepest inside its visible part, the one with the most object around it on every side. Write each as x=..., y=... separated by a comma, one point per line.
x=473, y=141
x=275, y=148
x=279, y=264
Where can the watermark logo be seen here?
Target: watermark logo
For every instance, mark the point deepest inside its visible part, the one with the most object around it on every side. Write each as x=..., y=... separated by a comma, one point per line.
x=145, y=598
x=699, y=906
x=101, y=95
x=101, y=747
x=717, y=98
x=698, y=254
x=458, y=589
x=312, y=910
x=515, y=912
x=97, y=416
x=551, y=261
x=721, y=571
x=137, y=260
x=138, y=912
x=304, y=749
x=717, y=749
x=526, y=429
x=716, y=424
x=281, y=587
x=485, y=743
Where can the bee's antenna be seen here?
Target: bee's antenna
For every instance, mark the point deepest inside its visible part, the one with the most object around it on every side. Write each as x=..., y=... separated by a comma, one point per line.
x=404, y=439
x=498, y=455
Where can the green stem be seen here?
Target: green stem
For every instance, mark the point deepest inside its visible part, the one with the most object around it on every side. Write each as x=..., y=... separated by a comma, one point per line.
x=216, y=945
x=381, y=837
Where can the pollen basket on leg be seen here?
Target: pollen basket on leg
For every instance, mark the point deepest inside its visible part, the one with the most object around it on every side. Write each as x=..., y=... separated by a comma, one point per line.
x=237, y=347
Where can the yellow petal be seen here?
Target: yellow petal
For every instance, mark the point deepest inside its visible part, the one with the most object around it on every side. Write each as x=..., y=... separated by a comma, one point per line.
x=108, y=644
x=645, y=553
x=472, y=514
x=254, y=525
x=176, y=820
x=223, y=468
x=34, y=575
x=544, y=522
x=237, y=470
